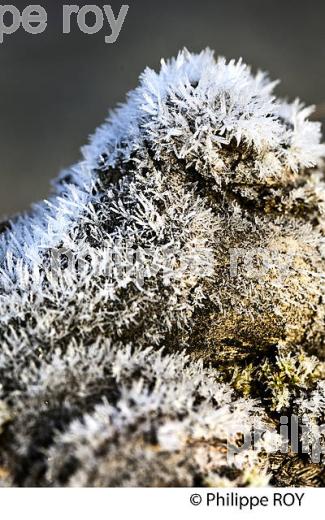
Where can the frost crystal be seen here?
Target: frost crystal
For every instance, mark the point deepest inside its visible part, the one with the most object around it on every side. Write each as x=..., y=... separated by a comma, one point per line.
x=195, y=221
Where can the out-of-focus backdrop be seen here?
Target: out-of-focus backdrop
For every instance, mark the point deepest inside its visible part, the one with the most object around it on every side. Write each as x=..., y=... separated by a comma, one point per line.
x=55, y=89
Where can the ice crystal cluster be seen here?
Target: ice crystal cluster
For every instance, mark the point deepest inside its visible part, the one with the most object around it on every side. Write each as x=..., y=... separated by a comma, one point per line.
x=168, y=297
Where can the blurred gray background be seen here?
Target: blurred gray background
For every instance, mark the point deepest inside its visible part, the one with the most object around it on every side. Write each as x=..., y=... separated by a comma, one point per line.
x=55, y=89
